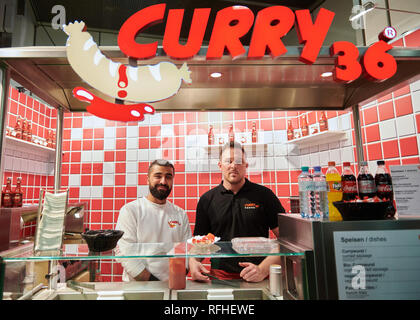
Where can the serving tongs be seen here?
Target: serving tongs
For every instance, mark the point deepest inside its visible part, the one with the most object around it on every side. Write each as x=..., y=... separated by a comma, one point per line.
x=224, y=282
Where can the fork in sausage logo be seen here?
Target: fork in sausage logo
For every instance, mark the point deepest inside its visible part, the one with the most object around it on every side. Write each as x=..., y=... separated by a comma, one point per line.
x=173, y=223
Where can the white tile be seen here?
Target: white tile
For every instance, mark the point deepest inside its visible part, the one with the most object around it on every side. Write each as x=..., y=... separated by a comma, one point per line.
x=415, y=86
x=334, y=145
x=24, y=165
x=145, y=122
x=270, y=150
x=305, y=160
x=280, y=150
x=108, y=179
x=132, y=144
x=306, y=150
x=8, y=163
x=347, y=141
x=202, y=140
x=155, y=154
x=96, y=192
x=191, y=141
x=97, y=156
x=155, y=119
x=214, y=167
x=323, y=147
x=88, y=122
x=281, y=163
x=17, y=164
x=167, y=130
x=387, y=129
x=293, y=150
x=74, y=180
x=99, y=122
x=265, y=136
x=293, y=162
x=333, y=123
x=190, y=166
x=142, y=191
x=324, y=158
x=344, y=122
x=109, y=167
x=347, y=154
x=315, y=161
x=215, y=117
x=76, y=134
x=279, y=136
x=132, y=132
x=335, y=156
x=109, y=144
x=84, y=192
x=405, y=125
x=202, y=153
x=131, y=155
x=314, y=148
x=131, y=167
x=109, y=132
x=269, y=163
x=86, y=156
x=415, y=99
x=143, y=155
x=131, y=179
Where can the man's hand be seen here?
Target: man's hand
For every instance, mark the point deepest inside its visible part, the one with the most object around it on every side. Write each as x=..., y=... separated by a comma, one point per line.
x=196, y=269
x=252, y=272
x=143, y=276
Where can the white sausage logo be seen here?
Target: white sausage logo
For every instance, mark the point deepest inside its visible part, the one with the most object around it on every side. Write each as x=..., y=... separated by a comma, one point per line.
x=137, y=84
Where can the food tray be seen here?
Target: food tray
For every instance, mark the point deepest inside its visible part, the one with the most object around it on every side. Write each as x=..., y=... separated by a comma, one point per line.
x=254, y=245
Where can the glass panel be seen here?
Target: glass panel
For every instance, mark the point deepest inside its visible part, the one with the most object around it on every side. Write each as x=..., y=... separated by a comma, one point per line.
x=155, y=250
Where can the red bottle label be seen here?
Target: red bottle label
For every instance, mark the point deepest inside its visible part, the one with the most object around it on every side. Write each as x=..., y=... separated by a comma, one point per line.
x=349, y=186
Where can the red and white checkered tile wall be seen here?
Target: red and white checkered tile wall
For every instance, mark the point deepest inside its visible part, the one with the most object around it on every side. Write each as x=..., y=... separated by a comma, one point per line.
x=105, y=162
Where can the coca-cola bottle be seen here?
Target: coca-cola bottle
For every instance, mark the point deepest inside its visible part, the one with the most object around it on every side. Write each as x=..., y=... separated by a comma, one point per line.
x=254, y=132
x=305, y=129
x=24, y=129
x=348, y=182
x=211, y=135
x=290, y=130
x=49, y=140
x=231, y=134
x=384, y=190
x=29, y=129
x=18, y=128
x=6, y=195
x=323, y=123
x=365, y=182
x=18, y=194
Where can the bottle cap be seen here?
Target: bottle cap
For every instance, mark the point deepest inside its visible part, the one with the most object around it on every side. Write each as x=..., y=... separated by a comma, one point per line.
x=331, y=163
x=317, y=168
x=363, y=163
x=380, y=162
x=305, y=168
x=346, y=164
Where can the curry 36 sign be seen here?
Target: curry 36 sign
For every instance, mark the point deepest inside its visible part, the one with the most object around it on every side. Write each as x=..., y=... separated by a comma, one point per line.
x=140, y=85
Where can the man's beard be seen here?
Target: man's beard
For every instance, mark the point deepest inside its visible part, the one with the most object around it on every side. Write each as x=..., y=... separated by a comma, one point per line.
x=160, y=194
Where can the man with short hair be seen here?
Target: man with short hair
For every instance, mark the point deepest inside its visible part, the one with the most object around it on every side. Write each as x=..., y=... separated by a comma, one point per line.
x=151, y=219
x=236, y=208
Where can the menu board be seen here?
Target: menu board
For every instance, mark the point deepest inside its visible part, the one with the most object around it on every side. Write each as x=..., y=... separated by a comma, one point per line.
x=406, y=185
x=378, y=265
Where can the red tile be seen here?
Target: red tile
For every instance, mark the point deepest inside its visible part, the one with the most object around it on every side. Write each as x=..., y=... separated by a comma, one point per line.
x=98, y=133
x=108, y=204
x=86, y=168
x=155, y=143
x=414, y=160
x=179, y=191
x=403, y=106
x=240, y=115
x=13, y=107
x=76, y=156
x=131, y=192
x=108, y=192
x=142, y=178
x=86, y=180
x=385, y=98
x=282, y=176
x=121, y=144
x=119, y=192
x=155, y=131
x=97, y=180
x=418, y=122
x=120, y=156
x=400, y=92
x=413, y=39
x=203, y=189
x=374, y=151
x=119, y=180
x=311, y=117
x=167, y=142
x=143, y=131
x=280, y=124
x=409, y=147
x=87, y=134
x=109, y=156
x=203, y=117
x=143, y=167
x=227, y=116
x=179, y=166
x=283, y=190
x=390, y=149
x=398, y=43
x=266, y=125
x=166, y=118
x=215, y=177
x=240, y=126
x=179, y=154
x=392, y=163
x=121, y=132
x=372, y=133
x=87, y=145
x=252, y=115
x=203, y=178
x=192, y=191
x=120, y=167
x=98, y=145
x=77, y=122
x=143, y=143
x=190, y=117
x=331, y=114
x=370, y=115
x=266, y=114
x=386, y=111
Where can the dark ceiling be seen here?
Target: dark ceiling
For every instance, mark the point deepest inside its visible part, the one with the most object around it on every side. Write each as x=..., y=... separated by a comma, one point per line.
x=109, y=15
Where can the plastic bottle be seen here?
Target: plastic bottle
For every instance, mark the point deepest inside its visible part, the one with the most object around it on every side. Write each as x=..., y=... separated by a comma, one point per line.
x=335, y=192
x=365, y=182
x=384, y=190
x=320, y=193
x=305, y=189
x=348, y=182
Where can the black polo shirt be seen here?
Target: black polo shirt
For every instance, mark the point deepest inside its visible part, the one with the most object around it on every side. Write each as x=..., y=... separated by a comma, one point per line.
x=249, y=213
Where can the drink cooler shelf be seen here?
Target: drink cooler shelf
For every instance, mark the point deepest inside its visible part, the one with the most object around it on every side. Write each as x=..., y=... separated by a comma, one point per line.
x=24, y=146
x=319, y=138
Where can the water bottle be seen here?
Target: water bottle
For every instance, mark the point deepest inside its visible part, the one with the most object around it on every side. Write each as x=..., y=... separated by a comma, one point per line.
x=305, y=189
x=320, y=193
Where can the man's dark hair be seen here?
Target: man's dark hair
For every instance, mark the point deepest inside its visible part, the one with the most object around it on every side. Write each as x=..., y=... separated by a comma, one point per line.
x=232, y=145
x=162, y=163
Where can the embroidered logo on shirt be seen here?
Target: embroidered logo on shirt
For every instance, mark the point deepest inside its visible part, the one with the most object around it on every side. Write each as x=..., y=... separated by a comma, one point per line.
x=251, y=206
x=173, y=223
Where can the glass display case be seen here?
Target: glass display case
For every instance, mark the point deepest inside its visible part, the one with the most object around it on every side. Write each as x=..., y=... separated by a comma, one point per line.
x=28, y=276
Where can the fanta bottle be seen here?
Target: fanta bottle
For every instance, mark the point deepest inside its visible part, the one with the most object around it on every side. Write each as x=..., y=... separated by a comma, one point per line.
x=335, y=191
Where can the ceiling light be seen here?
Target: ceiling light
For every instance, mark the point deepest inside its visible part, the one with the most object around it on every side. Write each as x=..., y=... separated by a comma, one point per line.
x=216, y=75
x=326, y=74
